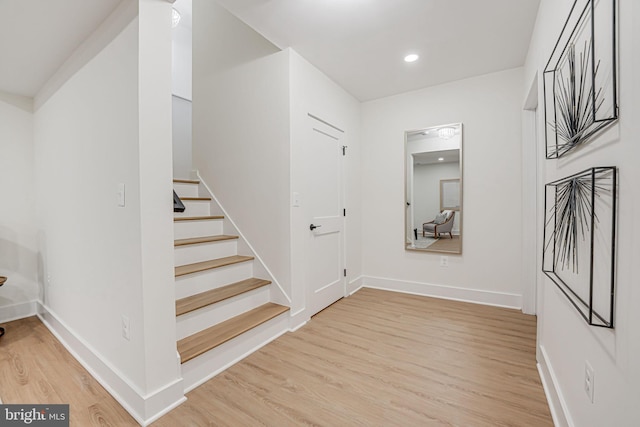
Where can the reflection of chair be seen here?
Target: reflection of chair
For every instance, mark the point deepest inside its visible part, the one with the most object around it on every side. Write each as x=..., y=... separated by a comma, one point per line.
x=443, y=223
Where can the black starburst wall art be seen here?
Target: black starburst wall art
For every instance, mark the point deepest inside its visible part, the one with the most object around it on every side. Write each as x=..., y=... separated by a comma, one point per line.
x=579, y=241
x=580, y=82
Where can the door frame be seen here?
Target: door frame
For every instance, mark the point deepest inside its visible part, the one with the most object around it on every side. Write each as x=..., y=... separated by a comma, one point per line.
x=341, y=139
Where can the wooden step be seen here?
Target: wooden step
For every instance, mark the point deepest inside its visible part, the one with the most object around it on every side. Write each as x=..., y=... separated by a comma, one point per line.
x=211, y=264
x=194, y=302
x=203, y=341
x=186, y=181
x=197, y=218
x=206, y=239
x=195, y=199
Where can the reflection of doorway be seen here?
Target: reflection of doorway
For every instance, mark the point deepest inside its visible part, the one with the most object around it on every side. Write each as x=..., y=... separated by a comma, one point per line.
x=325, y=264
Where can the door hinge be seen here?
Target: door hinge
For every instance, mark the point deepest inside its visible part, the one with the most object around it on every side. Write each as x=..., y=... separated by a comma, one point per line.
x=344, y=150
x=344, y=212
x=345, y=272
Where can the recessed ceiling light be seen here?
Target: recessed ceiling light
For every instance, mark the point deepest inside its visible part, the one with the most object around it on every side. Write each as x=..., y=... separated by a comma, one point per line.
x=411, y=58
x=440, y=159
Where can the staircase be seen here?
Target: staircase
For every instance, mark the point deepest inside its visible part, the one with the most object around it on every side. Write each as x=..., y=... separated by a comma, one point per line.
x=223, y=313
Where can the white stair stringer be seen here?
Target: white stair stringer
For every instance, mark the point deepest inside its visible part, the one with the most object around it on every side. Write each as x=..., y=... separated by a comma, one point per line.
x=206, y=366
x=198, y=320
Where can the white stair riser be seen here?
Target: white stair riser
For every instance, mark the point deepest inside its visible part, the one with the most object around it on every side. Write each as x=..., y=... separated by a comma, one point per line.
x=194, y=208
x=206, y=366
x=195, y=283
x=190, y=229
x=185, y=190
x=190, y=254
x=190, y=323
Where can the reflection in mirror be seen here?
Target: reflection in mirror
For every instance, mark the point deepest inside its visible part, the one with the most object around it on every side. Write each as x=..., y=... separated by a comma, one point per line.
x=433, y=184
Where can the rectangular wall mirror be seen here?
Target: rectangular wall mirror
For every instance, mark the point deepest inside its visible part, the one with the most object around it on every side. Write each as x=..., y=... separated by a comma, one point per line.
x=433, y=189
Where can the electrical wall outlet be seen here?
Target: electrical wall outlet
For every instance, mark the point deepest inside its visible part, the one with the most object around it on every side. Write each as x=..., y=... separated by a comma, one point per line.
x=126, y=328
x=444, y=261
x=589, y=375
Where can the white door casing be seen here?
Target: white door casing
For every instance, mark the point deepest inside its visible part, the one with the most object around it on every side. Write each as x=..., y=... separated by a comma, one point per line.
x=324, y=171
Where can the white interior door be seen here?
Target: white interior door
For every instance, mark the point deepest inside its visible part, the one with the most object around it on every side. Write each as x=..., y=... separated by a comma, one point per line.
x=325, y=265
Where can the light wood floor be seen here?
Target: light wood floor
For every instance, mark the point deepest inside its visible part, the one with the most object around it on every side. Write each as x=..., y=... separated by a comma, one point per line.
x=374, y=359
x=447, y=244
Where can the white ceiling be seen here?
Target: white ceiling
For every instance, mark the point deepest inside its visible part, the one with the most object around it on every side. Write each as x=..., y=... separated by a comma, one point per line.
x=361, y=44
x=37, y=36
x=358, y=43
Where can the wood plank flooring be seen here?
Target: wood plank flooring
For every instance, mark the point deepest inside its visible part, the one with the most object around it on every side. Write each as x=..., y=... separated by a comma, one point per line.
x=447, y=244
x=374, y=359
x=36, y=368
x=383, y=359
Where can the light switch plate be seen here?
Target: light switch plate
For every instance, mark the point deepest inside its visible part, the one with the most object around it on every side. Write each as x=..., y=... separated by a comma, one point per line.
x=121, y=195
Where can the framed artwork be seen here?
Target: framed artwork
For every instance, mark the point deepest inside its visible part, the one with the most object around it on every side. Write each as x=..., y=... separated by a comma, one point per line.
x=450, y=194
x=580, y=241
x=580, y=79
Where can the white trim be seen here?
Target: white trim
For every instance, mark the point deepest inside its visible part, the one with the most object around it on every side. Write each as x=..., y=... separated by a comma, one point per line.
x=295, y=328
x=557, y=403
x=476, y=296
x=298, y=319
x=355, y=285
x=242, y=236
x=132, y=399
x=18, y=311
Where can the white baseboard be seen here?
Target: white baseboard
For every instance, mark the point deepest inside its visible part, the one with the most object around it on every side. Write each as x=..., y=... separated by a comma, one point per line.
x=298, y=319
x=557, y=403
x=355, y=285
x=498, y=299
x=18, y=311
x=143, y=407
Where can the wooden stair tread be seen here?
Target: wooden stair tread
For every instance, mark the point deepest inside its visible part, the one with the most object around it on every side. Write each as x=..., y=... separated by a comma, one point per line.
x=198, y=218
x=195, y=199
x=186, y=181
x=206, y=239
x=203, y=341
x=211, y=264
x=194, y=302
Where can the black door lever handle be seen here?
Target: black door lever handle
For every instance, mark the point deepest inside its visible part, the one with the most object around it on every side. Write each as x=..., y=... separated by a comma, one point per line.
x=313, y=227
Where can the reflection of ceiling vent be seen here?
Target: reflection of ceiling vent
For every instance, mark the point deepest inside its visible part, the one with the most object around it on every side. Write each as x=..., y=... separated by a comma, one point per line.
x=446, y=133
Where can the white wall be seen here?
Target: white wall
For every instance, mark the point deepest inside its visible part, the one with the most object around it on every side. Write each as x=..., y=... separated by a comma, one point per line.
x=426, y=191
x=181, y=70
x=241, y=130
x=18, y=235
x=110, y=124
x=313, y=92
x=182, y=121
x=181, y=60
x=565, y=341
x=488, y=270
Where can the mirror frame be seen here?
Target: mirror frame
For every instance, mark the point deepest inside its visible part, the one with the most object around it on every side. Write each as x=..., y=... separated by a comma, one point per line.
x=407, y=226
